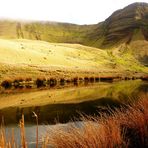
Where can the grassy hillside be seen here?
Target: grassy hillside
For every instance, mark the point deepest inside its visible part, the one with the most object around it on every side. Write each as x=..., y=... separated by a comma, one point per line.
x=21, y=57
x=47, y=31
x=44, y=53
x=119, y=44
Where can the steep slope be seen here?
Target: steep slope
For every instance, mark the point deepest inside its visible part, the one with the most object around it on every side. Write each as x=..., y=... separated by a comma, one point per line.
x=120, y=27
x=123, y=24
x=46, y=31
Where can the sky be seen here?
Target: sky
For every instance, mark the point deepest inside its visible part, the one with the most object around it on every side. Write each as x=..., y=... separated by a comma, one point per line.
x=71, y=11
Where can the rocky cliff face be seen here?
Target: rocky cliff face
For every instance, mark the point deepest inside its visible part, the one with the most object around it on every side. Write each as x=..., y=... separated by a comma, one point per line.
x=123, y=24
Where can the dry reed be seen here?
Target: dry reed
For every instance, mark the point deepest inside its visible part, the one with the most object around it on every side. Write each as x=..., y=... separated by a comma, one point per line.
x=124, y=128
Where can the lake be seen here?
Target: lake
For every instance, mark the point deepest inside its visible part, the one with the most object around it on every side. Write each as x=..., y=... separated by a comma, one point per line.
x=66, y=104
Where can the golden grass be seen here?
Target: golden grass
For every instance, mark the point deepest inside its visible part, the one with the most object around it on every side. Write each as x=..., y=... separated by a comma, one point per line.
x=22, y=132
x=122, y=128
x=47, y=54
x=61, y=59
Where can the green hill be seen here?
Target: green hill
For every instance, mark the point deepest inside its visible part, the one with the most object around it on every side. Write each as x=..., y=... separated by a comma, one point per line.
x=120, y=27
x=121, y=43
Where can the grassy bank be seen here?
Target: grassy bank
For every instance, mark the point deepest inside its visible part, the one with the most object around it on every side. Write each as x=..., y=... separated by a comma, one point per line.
x=123, y=128
x=32, y=59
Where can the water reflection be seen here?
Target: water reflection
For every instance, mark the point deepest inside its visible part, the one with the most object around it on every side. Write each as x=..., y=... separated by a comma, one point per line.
x=97, y=99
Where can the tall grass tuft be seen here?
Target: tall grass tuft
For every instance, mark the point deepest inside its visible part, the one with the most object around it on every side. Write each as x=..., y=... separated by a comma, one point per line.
x=7, y=142
x=22, y=132
x=123, y=128
x=40, y=82
x=37, y=130
x=7, y=83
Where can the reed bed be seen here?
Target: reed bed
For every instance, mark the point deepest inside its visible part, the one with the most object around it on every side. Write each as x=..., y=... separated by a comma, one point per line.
x=124, y=128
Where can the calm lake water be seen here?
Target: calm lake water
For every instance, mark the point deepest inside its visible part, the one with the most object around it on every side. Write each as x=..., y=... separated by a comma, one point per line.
x=91, y=100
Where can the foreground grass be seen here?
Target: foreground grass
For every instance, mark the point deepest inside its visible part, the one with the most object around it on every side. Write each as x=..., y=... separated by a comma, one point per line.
x=123, y=128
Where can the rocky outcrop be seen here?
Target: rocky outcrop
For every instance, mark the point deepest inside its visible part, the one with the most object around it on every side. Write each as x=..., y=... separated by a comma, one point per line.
x=121, y=25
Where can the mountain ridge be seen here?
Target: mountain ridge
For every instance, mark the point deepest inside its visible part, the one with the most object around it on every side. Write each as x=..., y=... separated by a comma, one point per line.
x=114, y=29
x=123, y=22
